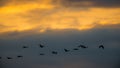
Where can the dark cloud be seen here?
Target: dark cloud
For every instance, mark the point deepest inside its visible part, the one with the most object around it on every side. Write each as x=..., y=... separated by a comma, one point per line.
x=57, y=40
x=94, y=3
x=71, y=3
x=3, y=2
x=6, y=2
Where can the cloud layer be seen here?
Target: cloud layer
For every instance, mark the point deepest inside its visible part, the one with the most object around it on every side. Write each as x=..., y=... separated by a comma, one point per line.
x=60, y=24
x=58, y=40
x=45, y=15
x=92, y=3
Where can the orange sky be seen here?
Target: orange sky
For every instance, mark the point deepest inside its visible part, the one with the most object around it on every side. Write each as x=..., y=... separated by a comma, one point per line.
x=43, y=15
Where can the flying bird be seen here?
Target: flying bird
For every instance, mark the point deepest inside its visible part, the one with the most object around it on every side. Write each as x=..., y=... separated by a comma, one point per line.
x=54, y=52
x=75, y=49
x=101, y=46
x=24, y=47
x=66, y=50
x=41, y=46
x=82, y=46
x=42, y=54
x=19, y=56
x=9, y=58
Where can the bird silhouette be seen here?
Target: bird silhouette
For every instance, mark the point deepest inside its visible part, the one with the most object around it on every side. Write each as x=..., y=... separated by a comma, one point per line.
x=54, y=52
x=66, y=50
x=0, y=57
x=42, y=54
x=75, y=49
x=42, y=46
x=101, y=46
x=24, y=47
x=82, y=46
x=9, y=57
x=19, y=56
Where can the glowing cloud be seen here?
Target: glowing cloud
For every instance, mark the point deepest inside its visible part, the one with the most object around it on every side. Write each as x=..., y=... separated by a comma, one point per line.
x=43, y=15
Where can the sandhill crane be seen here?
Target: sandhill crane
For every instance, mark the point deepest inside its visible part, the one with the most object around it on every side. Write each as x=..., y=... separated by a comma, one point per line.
x=75, y=49
x=19, y=56
x=9, y=57
x=42, y=54
x=66, y=50
x=24, y=47
x=82, y=46
x=54, y=52
x=41, y=46
x=101, y=46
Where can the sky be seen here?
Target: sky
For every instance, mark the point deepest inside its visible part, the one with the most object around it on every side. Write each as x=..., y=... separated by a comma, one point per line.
x=60, y=24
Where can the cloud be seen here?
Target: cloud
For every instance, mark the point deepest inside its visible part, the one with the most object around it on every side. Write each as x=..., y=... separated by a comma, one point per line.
x=108, y=35
x=43, y=20
x=92, y=3
x=4, y=2
x=15, y=6
x=60, y=24
x=72, y=19
x=97, y=33
x=44, y=15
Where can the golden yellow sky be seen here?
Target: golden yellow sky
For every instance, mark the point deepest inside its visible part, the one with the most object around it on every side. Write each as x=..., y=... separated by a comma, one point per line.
x=42, y=15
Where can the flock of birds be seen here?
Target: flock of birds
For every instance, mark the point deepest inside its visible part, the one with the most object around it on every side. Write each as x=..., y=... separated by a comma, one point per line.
x=54, y=52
